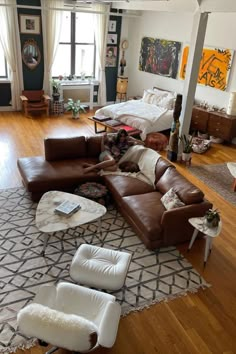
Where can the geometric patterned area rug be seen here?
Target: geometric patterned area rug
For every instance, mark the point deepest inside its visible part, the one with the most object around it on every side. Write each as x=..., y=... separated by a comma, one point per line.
x=218, y=178
x=153, y=276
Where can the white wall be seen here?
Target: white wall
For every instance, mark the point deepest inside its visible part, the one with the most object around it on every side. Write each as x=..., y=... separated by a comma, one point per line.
x=221, y=31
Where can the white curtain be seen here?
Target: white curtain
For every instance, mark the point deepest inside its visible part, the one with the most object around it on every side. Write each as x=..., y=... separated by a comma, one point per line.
x=10, y=39
x=100, y=27
x=51, y=23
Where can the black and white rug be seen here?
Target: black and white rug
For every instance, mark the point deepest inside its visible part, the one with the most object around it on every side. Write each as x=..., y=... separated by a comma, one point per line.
x=152, y=276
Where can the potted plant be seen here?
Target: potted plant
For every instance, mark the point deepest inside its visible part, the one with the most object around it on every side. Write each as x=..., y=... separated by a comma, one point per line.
x=212, y=217
x=75, y=107
x=187, y=147
x=55, y=90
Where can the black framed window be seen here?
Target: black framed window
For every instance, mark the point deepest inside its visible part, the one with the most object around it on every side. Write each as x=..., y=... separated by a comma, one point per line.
x=77, y=50
x=3, y=65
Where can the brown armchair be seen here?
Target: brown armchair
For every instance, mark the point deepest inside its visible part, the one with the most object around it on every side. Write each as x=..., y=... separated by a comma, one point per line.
x=35, y=101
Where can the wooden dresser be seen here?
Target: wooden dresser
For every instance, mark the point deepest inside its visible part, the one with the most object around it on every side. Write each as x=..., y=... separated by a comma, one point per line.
x=218, y=124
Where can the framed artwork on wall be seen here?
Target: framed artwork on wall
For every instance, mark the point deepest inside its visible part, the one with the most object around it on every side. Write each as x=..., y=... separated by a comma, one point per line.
x=111, y=38
x=29, y=24
x=111, y=56
x=112, y=26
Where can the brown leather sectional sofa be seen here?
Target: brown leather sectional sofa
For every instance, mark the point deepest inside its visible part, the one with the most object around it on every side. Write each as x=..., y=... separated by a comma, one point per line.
x=139, y=202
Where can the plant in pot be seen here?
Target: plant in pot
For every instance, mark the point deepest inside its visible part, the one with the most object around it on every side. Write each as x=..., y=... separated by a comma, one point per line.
x=75, y=107
x=212, y=217
x=187, y=147
x=55, y=90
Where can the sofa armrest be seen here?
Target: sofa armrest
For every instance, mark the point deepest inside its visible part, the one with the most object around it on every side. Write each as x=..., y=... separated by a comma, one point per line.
x=65, y=148
x=46, y=97
x=175, y=225
x=109, y=325
x=23, y=98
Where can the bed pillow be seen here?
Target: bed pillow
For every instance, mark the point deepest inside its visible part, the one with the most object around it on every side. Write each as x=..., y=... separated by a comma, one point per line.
x=170, y=200
x=147, y=96
x=167, y=102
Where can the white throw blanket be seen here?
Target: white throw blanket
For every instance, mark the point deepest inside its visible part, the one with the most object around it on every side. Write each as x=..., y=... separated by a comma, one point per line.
x=135, y=108
x=145, y=158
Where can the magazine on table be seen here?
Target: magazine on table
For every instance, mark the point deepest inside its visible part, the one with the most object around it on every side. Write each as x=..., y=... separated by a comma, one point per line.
x=101, y=118
x=113, y=122
x=67, y=208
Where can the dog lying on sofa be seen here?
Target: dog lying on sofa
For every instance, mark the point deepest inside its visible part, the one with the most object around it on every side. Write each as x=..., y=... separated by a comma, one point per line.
x=139, y=202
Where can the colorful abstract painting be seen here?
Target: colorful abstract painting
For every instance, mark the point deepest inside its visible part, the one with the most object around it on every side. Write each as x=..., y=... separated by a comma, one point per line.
x=159, y=56
x=214, y=68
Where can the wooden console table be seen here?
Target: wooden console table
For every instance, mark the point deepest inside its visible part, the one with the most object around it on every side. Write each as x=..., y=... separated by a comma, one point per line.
x=218, y=124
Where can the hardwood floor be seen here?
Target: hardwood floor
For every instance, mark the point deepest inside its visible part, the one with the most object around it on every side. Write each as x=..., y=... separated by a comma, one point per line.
x=204, y=322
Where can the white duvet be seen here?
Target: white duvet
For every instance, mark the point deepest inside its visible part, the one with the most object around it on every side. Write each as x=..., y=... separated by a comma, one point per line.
x=140, y=115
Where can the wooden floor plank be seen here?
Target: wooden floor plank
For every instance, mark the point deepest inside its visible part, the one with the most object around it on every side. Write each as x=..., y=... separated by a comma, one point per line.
x=204, y=322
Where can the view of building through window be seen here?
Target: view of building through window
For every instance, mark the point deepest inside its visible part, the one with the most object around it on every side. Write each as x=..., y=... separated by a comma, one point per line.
x=76, y=51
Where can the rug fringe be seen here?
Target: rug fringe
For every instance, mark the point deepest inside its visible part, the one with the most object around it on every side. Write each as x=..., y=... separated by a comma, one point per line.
x=166, y=299
x=29, y=344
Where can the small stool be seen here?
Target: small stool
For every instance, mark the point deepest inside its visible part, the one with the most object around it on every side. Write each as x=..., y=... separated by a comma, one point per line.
x=199, y=224
x=98, y=267
x=156, y=141
x=92, y=190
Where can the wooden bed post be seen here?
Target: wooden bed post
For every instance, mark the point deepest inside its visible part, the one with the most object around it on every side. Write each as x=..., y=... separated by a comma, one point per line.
x=172, y=152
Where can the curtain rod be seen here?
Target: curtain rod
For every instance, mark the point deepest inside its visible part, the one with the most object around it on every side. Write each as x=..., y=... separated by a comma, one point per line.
x=71, y=9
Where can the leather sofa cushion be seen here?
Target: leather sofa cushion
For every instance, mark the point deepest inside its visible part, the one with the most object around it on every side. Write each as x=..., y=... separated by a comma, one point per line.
x=161, y=167
x=146, y=212
x=41, y=175
x=65, y=148
x=121, y=186
x=186, y=191
x=93, y=146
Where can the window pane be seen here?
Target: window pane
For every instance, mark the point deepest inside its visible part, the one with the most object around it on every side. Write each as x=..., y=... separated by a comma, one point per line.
x=84, y=28
x=65, y=29
x=61, y=65
x=2, y=63
x=84, y=57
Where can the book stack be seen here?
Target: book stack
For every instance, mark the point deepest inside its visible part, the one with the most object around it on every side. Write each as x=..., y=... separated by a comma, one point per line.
x=101, y=118
x=127, y=128
x=67, y=208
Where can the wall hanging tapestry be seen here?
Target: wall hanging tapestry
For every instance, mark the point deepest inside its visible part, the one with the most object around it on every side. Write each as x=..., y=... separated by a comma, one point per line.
x=214, y=68
x=159, y=56
x=153, y=276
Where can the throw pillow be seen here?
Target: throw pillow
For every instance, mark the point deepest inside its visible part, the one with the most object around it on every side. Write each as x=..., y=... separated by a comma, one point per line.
x=170, y=200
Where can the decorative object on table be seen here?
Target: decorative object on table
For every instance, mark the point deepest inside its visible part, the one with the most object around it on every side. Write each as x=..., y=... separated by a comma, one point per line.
x=187, y=143
x=75, y=107
x=94, y=191
x=172, y=152
x=199, y=224
x=55, y=89
x=212, y=217
x=180, y=279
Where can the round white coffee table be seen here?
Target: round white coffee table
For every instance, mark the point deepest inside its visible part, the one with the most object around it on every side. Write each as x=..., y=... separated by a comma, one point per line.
x=232, y=169
x=199, y=224
x=47, y=221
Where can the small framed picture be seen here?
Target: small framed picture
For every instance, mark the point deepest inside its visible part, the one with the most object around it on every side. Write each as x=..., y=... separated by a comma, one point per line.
x=112, y=26
x=111, y=56
x=111, y=38
x=30, y=24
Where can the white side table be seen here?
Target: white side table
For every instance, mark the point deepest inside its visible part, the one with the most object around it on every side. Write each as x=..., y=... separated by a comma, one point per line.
x=199, y=224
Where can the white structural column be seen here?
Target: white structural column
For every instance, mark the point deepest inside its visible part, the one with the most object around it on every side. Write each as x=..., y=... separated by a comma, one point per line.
x=191, y=77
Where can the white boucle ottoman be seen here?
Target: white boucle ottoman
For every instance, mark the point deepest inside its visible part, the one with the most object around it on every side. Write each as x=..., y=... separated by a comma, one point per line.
x=98, y=267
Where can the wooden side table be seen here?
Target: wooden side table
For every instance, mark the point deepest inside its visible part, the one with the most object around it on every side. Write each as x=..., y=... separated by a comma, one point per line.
x=199, y=224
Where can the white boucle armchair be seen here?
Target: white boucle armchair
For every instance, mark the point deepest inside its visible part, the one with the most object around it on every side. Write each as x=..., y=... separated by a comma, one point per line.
x=72, y=317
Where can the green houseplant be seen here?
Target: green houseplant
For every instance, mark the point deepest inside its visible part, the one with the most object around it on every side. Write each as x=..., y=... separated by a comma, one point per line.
x=55, y=89
x=212, y=217
x=187, y=147
x=75, y=107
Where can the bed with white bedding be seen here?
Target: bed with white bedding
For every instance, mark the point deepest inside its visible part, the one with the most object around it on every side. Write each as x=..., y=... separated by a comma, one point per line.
x=152, y=113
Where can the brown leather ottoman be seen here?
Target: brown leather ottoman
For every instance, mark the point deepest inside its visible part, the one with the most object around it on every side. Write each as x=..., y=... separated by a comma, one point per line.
x=156, y=141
